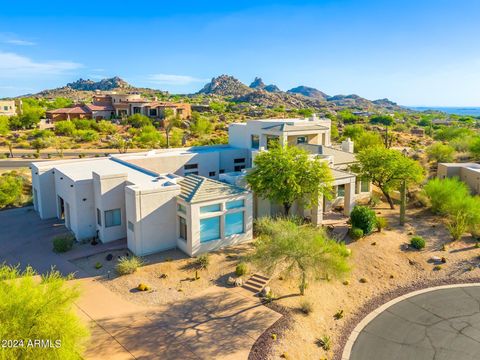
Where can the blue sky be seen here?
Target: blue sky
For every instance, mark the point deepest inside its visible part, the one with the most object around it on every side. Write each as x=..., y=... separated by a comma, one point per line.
x=414, y=52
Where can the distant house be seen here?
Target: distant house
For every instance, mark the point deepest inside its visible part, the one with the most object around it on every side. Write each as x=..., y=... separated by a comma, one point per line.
x=469, y=173
x=108, y=106
x=194, y=199
x=8, y=108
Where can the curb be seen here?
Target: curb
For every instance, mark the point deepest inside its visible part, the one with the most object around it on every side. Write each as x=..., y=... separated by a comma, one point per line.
x=347, y=350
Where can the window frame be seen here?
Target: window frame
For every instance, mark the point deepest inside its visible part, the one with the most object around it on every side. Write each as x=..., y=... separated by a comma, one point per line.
x=112, y=211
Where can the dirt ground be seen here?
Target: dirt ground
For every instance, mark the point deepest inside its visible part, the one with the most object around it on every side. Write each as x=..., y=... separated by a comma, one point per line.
x=383, y=261
x=179, y=270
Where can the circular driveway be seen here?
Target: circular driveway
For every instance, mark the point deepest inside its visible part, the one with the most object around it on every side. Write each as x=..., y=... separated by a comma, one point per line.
x=441, y=324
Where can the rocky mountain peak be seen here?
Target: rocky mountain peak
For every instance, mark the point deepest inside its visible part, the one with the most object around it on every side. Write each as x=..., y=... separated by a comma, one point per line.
x=104, y=84
x=225, y=85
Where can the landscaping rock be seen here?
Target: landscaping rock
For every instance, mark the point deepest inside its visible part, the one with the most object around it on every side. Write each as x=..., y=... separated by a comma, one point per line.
x=436, y=259
x=109, y=257
x=231, y=281
x=265, y=291
x=239, y=282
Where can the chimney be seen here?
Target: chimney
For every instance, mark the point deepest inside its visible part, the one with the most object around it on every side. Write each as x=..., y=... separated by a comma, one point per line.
x=347, y=145
x=314, y=117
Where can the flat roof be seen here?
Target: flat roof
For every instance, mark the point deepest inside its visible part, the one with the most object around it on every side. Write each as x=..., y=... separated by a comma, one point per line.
x=82, y=170
x=175, y=151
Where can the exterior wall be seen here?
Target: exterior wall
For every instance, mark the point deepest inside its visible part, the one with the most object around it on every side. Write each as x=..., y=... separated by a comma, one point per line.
x=194, y=229
x=153, y=216
x=208, y=161
x=43, y=184
x=109, y=195
x=7, y=108
x=472, y=178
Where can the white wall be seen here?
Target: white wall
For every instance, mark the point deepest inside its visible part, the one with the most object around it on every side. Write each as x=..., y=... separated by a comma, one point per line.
x=109, y=195
x=43, y=180
x=153, y=214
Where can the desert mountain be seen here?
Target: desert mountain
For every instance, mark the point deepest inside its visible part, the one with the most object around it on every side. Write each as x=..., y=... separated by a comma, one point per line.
x=309, y=92
x=258, y=84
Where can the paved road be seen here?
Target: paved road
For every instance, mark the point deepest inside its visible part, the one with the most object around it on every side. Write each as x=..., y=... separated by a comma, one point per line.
x=442, y=325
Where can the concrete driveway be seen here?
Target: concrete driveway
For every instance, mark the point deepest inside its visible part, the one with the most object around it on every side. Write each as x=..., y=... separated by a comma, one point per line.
x=440, y=324
x=218, y=323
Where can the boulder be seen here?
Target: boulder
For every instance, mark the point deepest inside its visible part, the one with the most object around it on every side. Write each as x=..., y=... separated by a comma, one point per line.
x=239, y=282
x=109, y=257
x=265, y=291
x=231, y=281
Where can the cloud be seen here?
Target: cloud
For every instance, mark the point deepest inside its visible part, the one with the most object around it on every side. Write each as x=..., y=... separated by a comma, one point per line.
x=10, y=38
x=19, y=42
x=13, y=65
x=168, y=79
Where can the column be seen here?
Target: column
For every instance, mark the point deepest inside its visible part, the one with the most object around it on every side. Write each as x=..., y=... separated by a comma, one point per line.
x=317, y=212
x=349, y=198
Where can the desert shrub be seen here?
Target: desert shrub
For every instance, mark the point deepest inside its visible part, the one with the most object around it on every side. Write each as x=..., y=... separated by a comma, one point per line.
x=306, y=307
x=324, y=342
x=417, y=242
x=83, y=124
x=338, y=315
x=138, y=121
x=143, y=287
x=382, y=223
x=463, y=214
x=98, y=265
x=439, y=152
x=63, y=243
x=85, y=135
x=374, y=200
x=448, y=133
x=364, y=218
x=11, y=187
x=105, y=127
x=356, y=233
x=128, y=265
x=441, y=192
x=241, y=269
x=363, y=280
x=202, y=261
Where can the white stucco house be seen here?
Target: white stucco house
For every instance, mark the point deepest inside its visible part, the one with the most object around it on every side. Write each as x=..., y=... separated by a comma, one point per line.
x=194, y=198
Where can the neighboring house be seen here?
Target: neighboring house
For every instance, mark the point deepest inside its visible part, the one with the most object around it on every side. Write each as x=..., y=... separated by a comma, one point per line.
x=8, y=108
x=418, y=132
x=193, y=198
x=108, y=106
x=469, y=173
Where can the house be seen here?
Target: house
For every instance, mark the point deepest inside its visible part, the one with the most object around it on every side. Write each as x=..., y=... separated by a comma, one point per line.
x=108, y=106
x=469, y=173
x=418, y=132
x=194, y=199
x=8, y=108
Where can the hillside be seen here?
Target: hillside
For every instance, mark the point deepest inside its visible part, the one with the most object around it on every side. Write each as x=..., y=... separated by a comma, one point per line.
x=227, y=87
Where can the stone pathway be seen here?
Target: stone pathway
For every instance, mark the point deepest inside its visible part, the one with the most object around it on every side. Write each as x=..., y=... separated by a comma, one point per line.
x=439, y=324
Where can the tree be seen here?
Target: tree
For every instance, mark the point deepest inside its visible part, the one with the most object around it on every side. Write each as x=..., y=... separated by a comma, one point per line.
x=66, y=128
x=383, y=120
x=286, y=174
x=4, y=125
x=200, y=125
x=387, y=169
x=31, y=309
x=301, y=250
x=170, y=121
x=439, y=152
x=121, y=143
x=475, y=148
x=366, y=140
x=11, y=189
x=40, y=143
x=138, y=121
x=61, y=144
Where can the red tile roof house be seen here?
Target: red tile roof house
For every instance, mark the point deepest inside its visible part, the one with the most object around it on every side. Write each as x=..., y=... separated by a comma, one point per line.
x=122, y=105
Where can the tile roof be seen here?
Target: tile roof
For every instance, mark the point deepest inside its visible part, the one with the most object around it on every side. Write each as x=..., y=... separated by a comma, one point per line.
x=77, y=109
x=196, y=188
x=100, y=107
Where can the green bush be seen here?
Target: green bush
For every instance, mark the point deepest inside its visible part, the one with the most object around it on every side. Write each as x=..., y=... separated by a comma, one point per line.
x=241, y=269
x=417, y=242
x=439, y=152
x=324, y=342
x=364, y=218
x=202, y=261
x=11, y=186
x=85, y=135
x=441, y=192
x=128, y=265
x=83, y=124
x=356, y=233
x=98, y=265
x=63, y=243
x=143, y=287
x=382, y=223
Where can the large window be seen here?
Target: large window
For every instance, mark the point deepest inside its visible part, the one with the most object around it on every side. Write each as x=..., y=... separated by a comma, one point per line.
x=210, y=229
x=301, y=139
x=113, y=218
x=182, y=227
x=365, y=186
x=340, y=190
x=210, y=208
x=239, y=161
x=235, y=204
x=234, y=223
x=255, y=142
